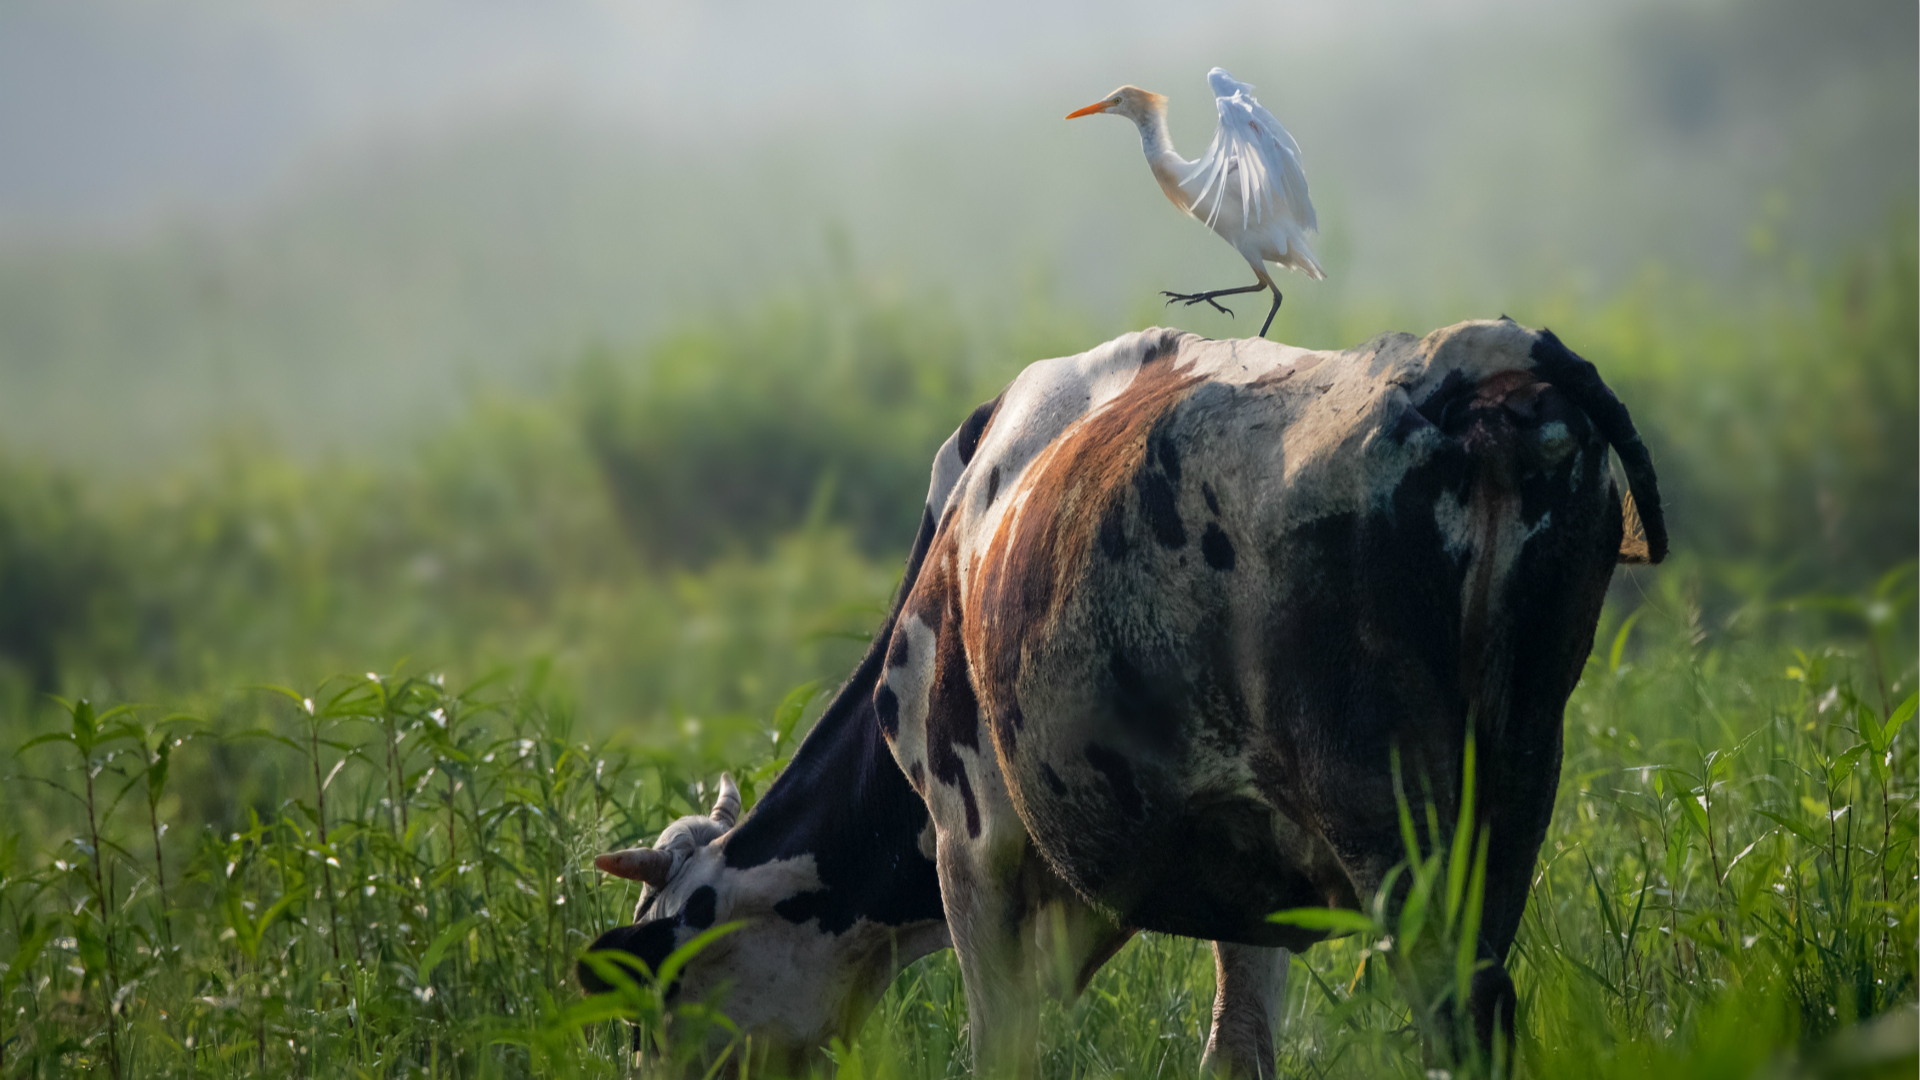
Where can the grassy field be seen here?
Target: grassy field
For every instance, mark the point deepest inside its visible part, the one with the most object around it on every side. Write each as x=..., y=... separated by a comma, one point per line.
x=387, y=873
x=1728, y=883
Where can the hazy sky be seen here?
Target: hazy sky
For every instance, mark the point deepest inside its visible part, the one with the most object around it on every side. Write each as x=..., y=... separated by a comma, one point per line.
x=111, y=109
x=234, y=208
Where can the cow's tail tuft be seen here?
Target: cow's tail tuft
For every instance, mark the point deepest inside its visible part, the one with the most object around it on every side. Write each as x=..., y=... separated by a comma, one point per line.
x=1644, y=536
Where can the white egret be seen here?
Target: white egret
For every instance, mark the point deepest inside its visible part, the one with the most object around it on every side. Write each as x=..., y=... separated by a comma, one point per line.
x=1249, y=187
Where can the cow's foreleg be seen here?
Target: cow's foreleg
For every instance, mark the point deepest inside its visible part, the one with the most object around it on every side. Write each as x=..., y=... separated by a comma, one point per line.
x=1250, y=989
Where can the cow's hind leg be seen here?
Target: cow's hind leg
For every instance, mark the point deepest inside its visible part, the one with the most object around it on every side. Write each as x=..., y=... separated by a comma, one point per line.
x=1021, y=934
x=1250, y=988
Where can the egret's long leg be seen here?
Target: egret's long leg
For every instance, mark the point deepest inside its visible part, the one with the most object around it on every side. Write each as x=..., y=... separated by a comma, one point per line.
x=1272, y=311
x=1194, y=298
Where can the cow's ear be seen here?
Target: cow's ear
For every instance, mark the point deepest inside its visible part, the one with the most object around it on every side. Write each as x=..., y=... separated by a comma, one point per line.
x=638, y=864
x=726, y=808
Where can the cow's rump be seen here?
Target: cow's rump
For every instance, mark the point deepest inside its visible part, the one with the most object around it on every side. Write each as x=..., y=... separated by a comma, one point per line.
x=1207, y=587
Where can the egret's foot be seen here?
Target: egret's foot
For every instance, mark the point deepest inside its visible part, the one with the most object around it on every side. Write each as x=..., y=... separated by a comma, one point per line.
x=1207, y=297
x=1191, y=299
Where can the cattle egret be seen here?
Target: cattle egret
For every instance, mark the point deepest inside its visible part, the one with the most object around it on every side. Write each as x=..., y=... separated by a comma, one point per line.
x=1248, y=188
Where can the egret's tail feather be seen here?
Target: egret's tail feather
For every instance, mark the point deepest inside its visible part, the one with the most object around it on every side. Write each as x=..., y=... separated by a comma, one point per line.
x=1300, y=257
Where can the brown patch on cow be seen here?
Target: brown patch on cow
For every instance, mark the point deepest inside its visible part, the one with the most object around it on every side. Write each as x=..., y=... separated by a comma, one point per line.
x=1072, y=487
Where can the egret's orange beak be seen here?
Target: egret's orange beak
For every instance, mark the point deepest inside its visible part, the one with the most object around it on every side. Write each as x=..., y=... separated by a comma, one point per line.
x=1096, y=107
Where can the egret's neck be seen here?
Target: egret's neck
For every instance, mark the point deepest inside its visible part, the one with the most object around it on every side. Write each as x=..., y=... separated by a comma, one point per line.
x=1168, y=166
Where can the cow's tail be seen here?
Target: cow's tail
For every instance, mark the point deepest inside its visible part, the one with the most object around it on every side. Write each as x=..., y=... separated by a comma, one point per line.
x=1644, y=535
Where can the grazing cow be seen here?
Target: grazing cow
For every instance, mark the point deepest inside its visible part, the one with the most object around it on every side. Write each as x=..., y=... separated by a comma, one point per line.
x=1174, y=607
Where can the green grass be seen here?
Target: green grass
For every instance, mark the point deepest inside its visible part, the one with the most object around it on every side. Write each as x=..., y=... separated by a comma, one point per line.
x=1729, y=883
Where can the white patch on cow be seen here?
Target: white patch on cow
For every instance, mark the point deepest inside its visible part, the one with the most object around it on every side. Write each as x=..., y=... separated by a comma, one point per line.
x=947, y=469
x=911, y=685
x=1555, y=441
x=791, y=983
x=1455, y=523
x=1239, y=361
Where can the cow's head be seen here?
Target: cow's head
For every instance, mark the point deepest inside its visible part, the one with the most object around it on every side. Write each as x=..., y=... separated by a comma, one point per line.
x=787, y=983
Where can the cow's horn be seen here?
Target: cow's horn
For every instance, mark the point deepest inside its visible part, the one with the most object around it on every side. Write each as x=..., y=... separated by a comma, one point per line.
x=638, y=864
x=727, y=807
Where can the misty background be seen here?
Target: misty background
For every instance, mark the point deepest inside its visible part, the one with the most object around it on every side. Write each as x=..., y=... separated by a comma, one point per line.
x=328, y=220
x=616, y=335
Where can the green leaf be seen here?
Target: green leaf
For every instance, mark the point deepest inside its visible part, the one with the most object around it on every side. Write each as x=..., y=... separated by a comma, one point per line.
x=34, y=936
x=1333, y=920
x=1620, y=640
x=791, y=708
x=1468, y=950
x=437, y=951
x=270, y=736
x=157, y=771
x=1589, y=972
x=1901, y=714
x=84, y=725
x=1846, y=761
x=53, y=736
x=1797, y=828
x=1462, y=834
x=670, y=967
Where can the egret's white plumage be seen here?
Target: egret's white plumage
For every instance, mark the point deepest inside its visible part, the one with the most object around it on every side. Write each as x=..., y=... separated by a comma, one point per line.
x=1248, y=187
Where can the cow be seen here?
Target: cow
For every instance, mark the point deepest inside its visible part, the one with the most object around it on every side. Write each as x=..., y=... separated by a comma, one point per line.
x=1184, y=622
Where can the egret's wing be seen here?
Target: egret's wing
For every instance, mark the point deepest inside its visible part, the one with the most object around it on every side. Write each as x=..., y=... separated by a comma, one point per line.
x=1253, y=159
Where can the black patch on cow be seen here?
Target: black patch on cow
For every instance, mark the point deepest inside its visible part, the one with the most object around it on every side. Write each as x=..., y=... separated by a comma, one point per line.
x=899, y=650
x=886, y=706
x=1169, y=457
x=650, y=942
x=1157, y=506
x=1443, y=406
x=953, y=712
x=1142, y=703
x=993, y=484
x=801, y=907
x=1010, y=720
x=966, y=799
x=1216, y=547
x=1113, y=530
x=699, y=910
x=864, y=838
x=1119, y=773
x=918, y=774
x=1213, y=501
x=1054, y=783
x=968, y=439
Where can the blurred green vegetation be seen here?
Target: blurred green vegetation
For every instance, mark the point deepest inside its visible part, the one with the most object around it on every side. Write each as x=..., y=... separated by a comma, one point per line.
x=691, y=527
